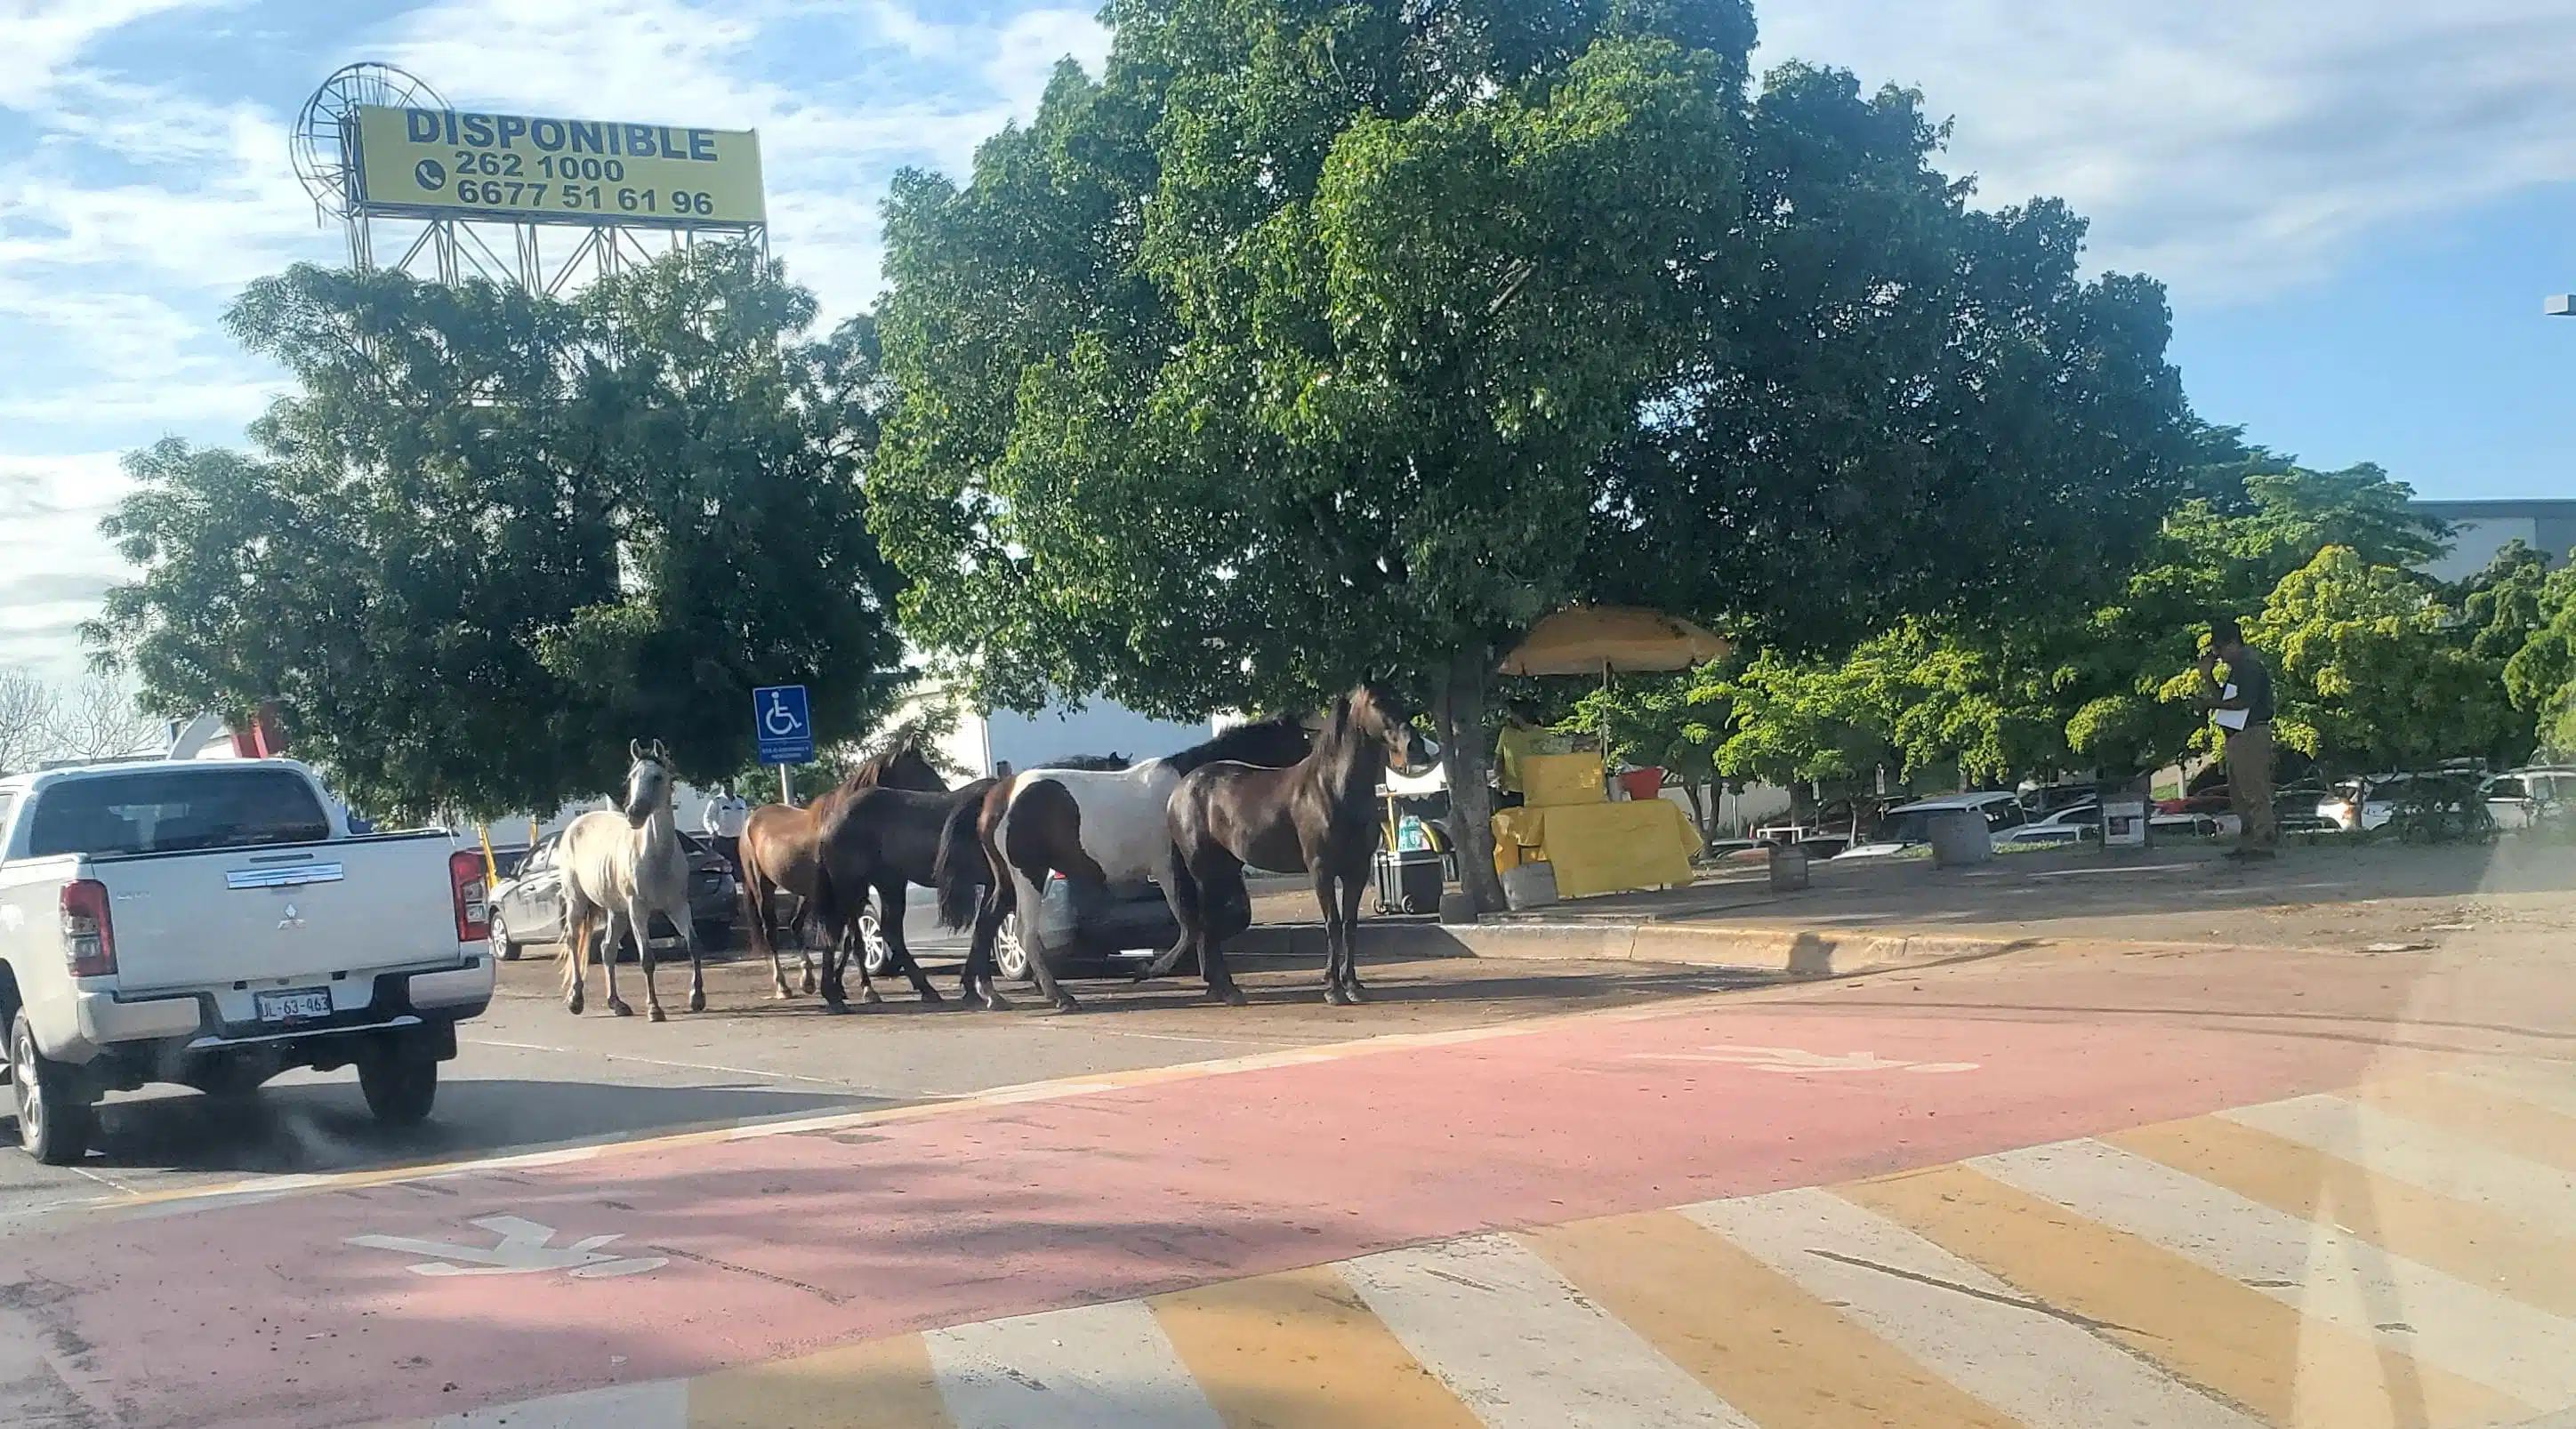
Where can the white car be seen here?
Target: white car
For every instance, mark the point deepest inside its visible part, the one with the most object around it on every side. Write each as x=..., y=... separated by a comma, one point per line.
x=1909, y=826
x=2081, y=823
x=2523, y=797
x=214, y=924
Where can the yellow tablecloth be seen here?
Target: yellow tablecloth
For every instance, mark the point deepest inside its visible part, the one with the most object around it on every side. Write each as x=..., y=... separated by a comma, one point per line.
x=1601, y=848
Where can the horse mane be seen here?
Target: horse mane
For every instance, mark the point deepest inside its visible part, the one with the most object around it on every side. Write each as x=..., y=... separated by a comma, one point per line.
x=1235, y=743
x=872, y=770
x=1105, y=763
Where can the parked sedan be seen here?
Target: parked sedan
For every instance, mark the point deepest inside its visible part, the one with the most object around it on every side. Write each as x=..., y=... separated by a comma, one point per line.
x=1088, y=933
x=528, y=907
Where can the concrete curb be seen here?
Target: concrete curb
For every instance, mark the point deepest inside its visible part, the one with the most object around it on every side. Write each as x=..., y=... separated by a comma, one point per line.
x=1783, y=952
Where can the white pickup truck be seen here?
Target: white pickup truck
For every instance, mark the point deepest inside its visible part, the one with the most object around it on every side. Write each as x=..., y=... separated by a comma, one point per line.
x=214, y=924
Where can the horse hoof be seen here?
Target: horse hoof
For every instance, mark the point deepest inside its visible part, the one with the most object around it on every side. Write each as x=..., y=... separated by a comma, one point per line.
x=621, y=1009
x=1064, y=1003
x=1335, y=997
x=656, y=1015
x=573, y=1006
x=808, y=988
x=837, y=1009
x=871, y=997
x=931, y=998
x=1230, y=996
x=1356, y=993
x=995, y=1002
x=697, y=1002
x=784, y=995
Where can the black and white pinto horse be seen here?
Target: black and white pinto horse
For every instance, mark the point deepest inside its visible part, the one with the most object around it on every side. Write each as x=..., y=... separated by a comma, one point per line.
x=1095, y=826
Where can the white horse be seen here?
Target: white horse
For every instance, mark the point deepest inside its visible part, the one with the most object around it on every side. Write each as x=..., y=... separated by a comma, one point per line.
x=621, y=867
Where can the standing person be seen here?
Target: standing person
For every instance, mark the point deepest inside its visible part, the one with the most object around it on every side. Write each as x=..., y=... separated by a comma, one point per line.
x=2242, y=709
x=1512, y=748
x=722, y=823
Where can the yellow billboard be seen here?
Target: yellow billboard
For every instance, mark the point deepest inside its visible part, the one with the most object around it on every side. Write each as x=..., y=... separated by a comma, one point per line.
x=512, y=167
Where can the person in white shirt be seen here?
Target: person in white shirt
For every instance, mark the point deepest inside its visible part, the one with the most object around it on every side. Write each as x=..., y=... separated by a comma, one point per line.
x=722, y=824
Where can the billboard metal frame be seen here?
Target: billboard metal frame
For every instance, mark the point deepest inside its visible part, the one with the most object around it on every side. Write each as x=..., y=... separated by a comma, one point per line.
x=447, y=247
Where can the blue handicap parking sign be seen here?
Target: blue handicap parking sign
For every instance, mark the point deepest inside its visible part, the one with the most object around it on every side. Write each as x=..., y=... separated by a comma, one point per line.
x=783, y=724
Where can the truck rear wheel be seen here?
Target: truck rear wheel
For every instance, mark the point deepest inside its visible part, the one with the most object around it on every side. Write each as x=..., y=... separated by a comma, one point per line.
x=401, y=1084
x=57, y=1111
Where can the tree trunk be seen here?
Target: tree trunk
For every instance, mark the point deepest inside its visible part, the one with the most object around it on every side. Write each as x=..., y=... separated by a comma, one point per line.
x=1465, y=755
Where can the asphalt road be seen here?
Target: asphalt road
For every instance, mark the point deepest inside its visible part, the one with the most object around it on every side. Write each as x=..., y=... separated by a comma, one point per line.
x=531, y=1075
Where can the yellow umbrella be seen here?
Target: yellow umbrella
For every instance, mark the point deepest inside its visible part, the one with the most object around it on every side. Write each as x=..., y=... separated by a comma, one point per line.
x=1598, y=639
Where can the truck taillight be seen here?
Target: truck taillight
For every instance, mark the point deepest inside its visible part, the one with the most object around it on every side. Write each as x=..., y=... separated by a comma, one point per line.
x=473, y=911
x=89, y=939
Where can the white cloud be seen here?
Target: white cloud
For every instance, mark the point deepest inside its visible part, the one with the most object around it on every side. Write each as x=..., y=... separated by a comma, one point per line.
x=2231, y=149
x=46, y=39
x=58, y=562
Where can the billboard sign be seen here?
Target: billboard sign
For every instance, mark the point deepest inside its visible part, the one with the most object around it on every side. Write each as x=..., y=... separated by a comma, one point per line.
x=441, y=163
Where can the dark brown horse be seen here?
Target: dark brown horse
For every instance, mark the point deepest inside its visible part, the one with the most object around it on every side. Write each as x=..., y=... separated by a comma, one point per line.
x=778, y=846
x=1320, y=814
x=881, y=841
x=1094, y=826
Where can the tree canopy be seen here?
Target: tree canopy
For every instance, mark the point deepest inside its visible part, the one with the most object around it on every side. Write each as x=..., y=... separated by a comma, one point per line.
x=1313, y=342
x=490, y=537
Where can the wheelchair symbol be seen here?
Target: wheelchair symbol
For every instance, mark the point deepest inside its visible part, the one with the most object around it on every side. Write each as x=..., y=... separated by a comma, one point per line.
x=778, y=719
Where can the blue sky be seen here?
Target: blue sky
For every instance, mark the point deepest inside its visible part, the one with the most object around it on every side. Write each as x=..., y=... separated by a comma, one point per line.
x=2358, y=204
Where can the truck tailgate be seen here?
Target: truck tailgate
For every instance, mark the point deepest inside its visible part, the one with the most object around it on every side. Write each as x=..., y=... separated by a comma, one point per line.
x=256, y=914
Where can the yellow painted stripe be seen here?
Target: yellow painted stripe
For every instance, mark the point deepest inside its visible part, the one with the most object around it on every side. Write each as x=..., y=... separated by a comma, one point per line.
x=2229, y=1338
x=2481, y=1112
x=883, y=1384
x=2478, y=1245
x=1301, y=1350
x=1782, y=1357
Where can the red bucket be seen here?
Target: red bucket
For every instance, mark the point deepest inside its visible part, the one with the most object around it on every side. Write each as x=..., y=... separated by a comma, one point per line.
x=1643, y=784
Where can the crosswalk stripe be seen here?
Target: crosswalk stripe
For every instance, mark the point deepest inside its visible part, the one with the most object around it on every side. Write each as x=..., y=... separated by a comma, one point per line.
x=2322, y=1272
x=1299, y=1350
x=1098, y=1367
x=1979, y=1333
x=2479, y=1245
x=1522, y=1348
x=2438, y=1160
x=2505, y=1122
x=2551, y=1084
x=656, y=1404
x=879, y=1384
x=1783, y=1358
x=2235, y=1341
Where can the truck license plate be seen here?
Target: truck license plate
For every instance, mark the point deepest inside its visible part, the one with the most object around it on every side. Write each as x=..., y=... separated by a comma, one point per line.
x=306, y=1005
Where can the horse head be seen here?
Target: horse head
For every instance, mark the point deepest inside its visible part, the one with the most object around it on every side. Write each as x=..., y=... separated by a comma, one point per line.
x=648, y=781
x=1378, y=714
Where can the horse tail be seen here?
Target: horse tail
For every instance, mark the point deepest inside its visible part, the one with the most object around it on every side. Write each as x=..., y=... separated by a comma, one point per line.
x=961, y=868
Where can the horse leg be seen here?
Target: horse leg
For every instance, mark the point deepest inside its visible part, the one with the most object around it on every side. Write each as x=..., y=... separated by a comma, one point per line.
x=697, y=962
x=640, y=913
x=1328, y=898
x=1352, y=888
x=608, y=961
x=1225, y=908
x=759, y=898
x=1026, y=892
x=579, y=924
x=978, y=977
x=890, y=902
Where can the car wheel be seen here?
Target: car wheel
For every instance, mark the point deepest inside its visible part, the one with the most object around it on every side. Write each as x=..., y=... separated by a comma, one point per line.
x=57, y=1111
x=1010, y=958
x=874, y=955
x=401, y=1085
x=502, y=947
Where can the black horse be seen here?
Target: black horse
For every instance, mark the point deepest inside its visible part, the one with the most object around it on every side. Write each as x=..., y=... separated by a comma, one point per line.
x=1319, y=814
x=880, y=840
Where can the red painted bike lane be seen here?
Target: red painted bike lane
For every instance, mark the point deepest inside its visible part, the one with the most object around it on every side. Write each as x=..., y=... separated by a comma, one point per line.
x=340, y=1307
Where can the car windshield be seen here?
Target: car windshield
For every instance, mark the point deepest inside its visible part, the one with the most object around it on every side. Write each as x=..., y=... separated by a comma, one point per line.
x=175, y=810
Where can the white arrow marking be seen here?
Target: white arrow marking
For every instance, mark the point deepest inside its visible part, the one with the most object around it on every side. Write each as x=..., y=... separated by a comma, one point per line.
x=1800, y=1060
x=526, y=1248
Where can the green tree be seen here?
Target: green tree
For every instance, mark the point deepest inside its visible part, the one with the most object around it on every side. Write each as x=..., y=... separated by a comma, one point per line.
x=1320, y=341
x=490, y=537
x=2541, y=676
x=2369, y=674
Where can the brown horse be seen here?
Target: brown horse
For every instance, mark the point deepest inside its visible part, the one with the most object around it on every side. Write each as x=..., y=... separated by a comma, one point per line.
x=778, y=846
x=1320, y=814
